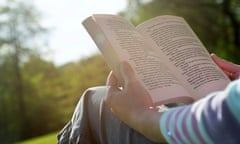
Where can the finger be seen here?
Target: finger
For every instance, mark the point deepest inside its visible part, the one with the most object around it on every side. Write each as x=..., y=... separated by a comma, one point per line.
x=111, y=80
x=228, y=66
x=112, y=96
x=127, y=72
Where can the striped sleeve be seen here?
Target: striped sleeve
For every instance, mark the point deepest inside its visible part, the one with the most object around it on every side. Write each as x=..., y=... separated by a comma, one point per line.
x=213, y=119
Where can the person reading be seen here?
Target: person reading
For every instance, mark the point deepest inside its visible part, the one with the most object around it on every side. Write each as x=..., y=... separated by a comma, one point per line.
x=166, y=55
x=113, y=115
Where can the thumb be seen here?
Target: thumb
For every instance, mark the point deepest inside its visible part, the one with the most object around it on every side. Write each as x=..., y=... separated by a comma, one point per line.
x=225, y=64
x=230, y=69
x=127, y=72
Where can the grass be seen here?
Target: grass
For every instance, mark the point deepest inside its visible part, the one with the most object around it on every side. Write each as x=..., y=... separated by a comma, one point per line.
x=46, y=139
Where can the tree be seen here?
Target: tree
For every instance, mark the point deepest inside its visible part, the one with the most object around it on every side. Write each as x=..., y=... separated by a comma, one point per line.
x=41, y=83
x=230, y=9
x=19, y=28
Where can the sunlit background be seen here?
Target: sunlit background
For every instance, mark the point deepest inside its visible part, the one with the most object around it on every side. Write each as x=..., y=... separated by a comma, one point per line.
x=47, y=59
x=69, y=41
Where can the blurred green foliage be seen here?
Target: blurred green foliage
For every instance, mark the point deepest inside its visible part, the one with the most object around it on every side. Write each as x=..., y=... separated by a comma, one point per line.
x=50, y=94
x=37, y=97
x=46, y=139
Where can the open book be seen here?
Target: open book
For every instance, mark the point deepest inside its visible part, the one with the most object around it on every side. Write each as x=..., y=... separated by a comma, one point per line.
x=167, y=56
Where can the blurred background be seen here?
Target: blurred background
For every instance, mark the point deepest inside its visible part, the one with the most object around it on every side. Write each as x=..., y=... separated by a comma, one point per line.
x=47, y=59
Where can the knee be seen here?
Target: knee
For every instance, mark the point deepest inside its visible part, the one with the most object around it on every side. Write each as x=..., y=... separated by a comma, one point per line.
x=99, y=91
x=92, y=96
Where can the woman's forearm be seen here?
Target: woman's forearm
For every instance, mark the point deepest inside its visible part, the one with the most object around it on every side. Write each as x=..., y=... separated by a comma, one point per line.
x=147, y=123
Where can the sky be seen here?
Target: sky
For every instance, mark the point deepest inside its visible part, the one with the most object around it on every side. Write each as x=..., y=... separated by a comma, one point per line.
x=68, y=40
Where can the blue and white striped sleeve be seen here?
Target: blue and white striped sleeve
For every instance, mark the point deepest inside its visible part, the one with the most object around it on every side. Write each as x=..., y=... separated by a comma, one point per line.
x=213, y=119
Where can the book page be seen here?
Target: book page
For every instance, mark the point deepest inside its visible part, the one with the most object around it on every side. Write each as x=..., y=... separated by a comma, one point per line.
x=187, y=57
x=129, y=45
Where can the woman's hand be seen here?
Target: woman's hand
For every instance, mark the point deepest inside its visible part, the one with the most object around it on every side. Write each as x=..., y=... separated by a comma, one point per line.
x=230, y=69
x=129, y=100
x=131, y=104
